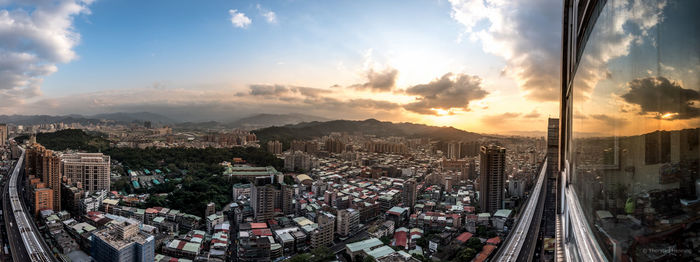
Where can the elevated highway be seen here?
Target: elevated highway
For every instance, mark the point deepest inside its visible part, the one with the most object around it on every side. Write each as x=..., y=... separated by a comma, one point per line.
x=520, y=243
x=24, y=237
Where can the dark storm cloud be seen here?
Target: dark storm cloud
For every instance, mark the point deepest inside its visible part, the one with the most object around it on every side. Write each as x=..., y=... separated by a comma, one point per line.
x=268, y=90
x=449, y=91
x=284, y=91
x=329, y=103
x=379, y=81
x=659, y=96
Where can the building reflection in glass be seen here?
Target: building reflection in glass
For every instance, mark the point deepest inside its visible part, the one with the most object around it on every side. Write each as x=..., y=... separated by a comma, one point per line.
x=636, y=130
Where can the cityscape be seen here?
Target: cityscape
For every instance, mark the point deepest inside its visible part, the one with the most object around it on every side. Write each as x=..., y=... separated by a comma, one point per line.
x=314, y=131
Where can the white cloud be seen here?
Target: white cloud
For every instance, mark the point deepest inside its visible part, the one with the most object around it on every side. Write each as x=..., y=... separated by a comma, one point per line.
x=239, y=19
x=525, y=33
x=34, y=37
x=270, y=16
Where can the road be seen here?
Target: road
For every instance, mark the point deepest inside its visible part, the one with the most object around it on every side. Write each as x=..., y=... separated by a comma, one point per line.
x=520, y=239
x=25, y=239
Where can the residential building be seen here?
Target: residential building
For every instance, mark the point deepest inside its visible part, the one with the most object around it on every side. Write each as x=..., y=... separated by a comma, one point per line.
x=45, y=164
x=334, y=145
x=253, y=244
x=242, y=190
x=210, y=209
x=3, y=134
x=274, y=147
x=348, y=222
x=43, y=199
x=263, y=199
x=91, y=170
x=454, y=150
x=409, y=193
x=323, y=235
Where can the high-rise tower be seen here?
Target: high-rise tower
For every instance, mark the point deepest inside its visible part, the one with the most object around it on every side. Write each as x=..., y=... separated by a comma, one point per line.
x=492, y=179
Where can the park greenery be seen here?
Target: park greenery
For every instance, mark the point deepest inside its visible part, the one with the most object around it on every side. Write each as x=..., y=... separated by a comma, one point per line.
x=75, y=139
x=195, y=174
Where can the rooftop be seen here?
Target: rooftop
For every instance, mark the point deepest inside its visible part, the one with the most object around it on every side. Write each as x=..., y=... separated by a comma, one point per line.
x=361, y=245
x=381, y=252
x=502, y=213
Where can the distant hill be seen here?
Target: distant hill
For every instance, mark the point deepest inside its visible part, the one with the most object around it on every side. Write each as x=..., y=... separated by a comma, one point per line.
x=367, y=127
x=119, y=117
x=134, y=117
x=267, y=120
x=46, y=119
x=209, y=125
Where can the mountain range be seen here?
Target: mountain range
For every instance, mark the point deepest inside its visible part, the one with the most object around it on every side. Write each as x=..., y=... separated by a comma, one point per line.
x=374, y=127
x=267, y=120
x=250, y=122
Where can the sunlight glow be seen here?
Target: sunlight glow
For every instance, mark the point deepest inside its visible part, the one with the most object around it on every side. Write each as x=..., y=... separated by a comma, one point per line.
x=669, y=115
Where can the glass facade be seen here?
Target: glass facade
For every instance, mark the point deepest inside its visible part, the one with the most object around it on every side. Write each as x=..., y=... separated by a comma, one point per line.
x=633, y=129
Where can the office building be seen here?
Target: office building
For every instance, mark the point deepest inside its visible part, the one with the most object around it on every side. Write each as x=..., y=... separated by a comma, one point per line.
x=122, y=242
x=492, y=179
x=91, y=171
x=348, y=222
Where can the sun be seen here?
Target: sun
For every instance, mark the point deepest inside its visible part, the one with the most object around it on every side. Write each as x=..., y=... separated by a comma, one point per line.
x=442, y=112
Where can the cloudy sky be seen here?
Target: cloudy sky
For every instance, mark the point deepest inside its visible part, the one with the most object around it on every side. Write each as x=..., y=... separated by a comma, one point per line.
x=486, y=66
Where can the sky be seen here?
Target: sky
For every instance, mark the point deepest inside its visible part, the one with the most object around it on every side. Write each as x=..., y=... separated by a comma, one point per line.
x=486, y=66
